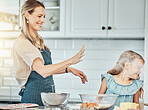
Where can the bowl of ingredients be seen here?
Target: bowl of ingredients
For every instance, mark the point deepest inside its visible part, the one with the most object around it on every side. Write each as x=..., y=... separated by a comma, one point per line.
x=97, y=101
x=54, y=98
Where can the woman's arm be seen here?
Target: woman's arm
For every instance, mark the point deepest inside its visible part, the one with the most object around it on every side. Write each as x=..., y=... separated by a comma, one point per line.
x=103, y=87
x=74, y=71
x=136, y=99
x=47, y=70
x=79, y=74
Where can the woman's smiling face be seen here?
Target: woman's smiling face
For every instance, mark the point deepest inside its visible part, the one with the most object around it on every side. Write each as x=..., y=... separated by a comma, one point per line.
x=36, y=19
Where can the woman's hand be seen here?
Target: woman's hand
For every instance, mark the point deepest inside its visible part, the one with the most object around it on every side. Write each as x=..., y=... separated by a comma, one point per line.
x=77, y=58
x=78, y=73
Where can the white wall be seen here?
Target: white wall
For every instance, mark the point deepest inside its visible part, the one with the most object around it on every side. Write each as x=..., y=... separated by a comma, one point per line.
x=146, y=57
x=146, y=70
x=101, y=55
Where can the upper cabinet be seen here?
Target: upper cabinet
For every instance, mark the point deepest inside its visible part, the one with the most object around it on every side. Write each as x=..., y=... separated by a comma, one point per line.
x=105, y=18
x=86, y=18
x=80, y=18
x=126, y=18
x=54, y=19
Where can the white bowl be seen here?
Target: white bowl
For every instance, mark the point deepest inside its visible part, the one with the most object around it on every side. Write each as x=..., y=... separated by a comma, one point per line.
x=54, y=98
x=103, y=100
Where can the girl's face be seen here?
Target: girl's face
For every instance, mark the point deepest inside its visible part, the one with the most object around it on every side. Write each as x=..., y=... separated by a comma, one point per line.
x=135, y=68
x=36, y=19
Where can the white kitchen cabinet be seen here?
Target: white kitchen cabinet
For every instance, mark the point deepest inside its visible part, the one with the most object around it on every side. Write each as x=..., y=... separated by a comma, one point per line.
x=105, y=18
x=85, y=18
x=54, y=26
x=126, y=17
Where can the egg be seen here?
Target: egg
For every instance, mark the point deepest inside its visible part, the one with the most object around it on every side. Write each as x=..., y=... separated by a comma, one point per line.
x=90, y=105
x=96, y=105
x=84, y=105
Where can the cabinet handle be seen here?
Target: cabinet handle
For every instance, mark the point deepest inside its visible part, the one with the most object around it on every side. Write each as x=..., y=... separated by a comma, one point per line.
x=103, y=28
x=109, y=27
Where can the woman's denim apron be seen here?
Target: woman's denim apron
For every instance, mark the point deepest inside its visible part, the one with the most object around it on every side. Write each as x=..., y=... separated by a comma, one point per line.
x=37, y=84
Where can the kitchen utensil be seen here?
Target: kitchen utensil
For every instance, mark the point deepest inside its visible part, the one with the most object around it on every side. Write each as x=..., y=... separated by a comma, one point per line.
x=54, y=98
x=103, y=100
x=52, y=86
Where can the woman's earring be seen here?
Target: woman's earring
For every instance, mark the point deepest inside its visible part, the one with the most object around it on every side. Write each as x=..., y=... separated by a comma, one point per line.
x=27, y=21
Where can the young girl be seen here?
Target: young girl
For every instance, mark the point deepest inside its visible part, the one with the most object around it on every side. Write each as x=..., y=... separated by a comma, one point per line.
x=123, y=79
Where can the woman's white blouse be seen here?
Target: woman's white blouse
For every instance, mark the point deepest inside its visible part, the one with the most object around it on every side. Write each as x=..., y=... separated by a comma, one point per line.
x=24, y=53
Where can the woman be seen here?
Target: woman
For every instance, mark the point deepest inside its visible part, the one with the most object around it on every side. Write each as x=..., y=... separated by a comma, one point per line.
x=34, y=68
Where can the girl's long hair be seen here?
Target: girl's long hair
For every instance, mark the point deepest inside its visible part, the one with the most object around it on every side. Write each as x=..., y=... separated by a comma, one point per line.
x=127, y=56
x=29, y=6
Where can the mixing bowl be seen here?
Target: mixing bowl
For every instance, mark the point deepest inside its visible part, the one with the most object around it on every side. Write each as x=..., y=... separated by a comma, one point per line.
x=54, y=98
x=103, y=100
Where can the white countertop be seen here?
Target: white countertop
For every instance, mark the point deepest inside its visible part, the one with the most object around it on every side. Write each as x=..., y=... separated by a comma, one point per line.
x=74, y=106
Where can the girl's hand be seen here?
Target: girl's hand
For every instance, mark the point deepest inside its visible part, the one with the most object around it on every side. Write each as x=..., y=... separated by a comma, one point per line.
x=78, y=73
x=77, y=58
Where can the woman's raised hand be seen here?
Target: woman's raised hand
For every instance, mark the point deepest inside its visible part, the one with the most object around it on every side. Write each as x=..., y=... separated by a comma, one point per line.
x=77, y=58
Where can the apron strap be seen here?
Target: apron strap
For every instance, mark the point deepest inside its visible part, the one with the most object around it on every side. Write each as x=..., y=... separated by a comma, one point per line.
x=26, y=36
x=21, y=92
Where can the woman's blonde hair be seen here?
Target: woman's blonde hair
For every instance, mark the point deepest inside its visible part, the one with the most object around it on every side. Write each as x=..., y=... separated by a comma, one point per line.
x=29, y=6
x=127, y=56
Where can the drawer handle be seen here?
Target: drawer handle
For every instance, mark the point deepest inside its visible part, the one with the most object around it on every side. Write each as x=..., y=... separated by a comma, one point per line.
x=109, y=27
x=103, y=28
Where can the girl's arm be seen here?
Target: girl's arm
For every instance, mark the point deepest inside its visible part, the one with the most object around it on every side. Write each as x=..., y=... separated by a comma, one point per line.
x=136, y=99
x=103, y=87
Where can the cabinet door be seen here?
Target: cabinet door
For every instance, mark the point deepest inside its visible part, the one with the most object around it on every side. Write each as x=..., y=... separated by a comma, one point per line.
x=54, y=20
x=85, y=18
x=126, y=18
